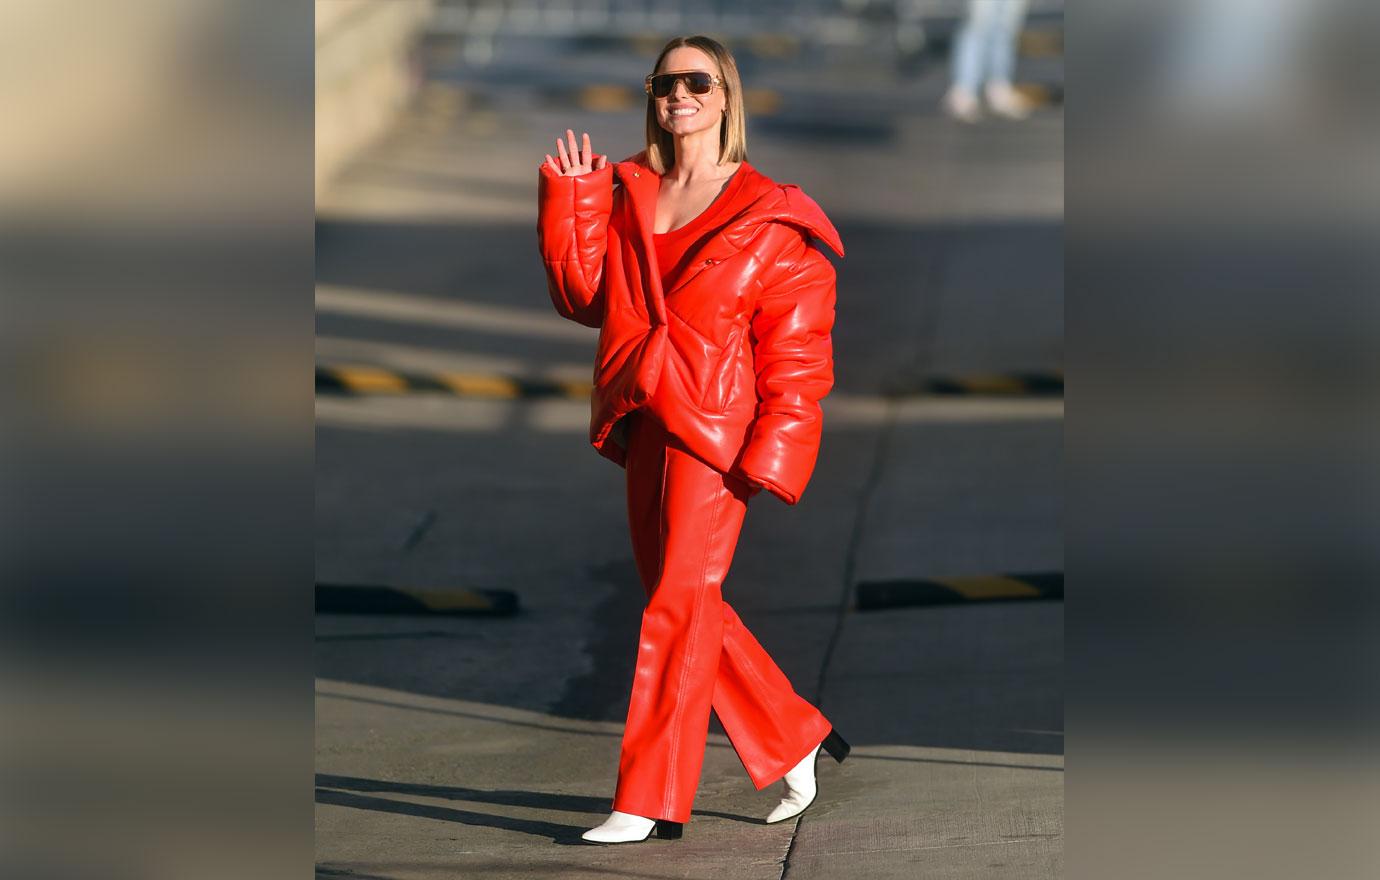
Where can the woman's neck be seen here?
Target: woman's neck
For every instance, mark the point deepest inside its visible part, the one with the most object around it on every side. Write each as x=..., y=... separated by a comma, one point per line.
x=697, y=163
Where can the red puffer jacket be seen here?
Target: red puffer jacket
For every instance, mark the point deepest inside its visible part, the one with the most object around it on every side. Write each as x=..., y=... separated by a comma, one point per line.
x=735, y=355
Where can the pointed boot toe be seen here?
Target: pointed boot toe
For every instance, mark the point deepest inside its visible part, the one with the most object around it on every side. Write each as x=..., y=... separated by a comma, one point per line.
x=626, y=828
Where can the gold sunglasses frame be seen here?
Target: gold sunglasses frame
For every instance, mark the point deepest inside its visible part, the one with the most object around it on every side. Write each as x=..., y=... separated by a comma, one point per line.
x=716, y=81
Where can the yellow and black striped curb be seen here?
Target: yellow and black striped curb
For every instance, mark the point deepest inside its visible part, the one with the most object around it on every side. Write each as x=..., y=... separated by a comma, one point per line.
x=364, y=599
x=380, y=380
x=875, y=595
x=1021, y=384
x=620, y=97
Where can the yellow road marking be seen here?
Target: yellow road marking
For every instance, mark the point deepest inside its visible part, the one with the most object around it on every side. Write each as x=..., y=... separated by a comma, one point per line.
x=479, y=386
x=994, y=384
x=987, y=587
x=765, y=101
x=449, y=600
x=369, y=379
x=606, y=97
x=575, y=387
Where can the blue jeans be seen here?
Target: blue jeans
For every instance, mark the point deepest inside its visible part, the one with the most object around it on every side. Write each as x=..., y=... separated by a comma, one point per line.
x=985, y=51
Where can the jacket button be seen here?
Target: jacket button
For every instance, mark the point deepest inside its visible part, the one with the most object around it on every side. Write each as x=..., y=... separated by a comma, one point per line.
x=637, y=174
x=709, y=262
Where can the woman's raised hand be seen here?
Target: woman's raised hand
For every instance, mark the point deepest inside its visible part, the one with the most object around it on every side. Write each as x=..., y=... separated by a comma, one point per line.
x=576, y=161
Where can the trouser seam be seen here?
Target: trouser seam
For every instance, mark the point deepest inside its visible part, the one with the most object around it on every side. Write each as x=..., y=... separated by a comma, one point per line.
x=690, y=650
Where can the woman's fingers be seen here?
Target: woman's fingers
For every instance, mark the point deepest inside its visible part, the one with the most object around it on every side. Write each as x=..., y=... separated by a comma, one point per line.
x=575, y=159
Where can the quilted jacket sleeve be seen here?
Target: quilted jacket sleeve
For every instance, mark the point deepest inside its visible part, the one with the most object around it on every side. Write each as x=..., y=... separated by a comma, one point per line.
x=572, y=233
x=792, y=324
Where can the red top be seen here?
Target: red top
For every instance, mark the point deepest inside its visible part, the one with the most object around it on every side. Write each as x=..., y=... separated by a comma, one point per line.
x=671, y=247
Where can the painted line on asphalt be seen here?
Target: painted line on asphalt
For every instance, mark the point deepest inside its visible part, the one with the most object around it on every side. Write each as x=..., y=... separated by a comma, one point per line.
x=619, y=97
x=877, y=595
x=373, y=599
x=358, y=380
x=353, y=379
x=1022, y=383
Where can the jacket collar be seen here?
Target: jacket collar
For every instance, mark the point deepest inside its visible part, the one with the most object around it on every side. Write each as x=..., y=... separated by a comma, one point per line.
x=771, y=201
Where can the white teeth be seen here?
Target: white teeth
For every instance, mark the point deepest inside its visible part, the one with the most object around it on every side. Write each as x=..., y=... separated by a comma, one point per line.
x=684, y=112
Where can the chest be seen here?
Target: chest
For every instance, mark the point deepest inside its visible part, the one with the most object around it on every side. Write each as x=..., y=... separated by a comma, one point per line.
x=677, y=206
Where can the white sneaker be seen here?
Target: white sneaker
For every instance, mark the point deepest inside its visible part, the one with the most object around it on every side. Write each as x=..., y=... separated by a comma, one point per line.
x=962, y=105
x=800, y=789
x=628, y=827
x=1004, y=100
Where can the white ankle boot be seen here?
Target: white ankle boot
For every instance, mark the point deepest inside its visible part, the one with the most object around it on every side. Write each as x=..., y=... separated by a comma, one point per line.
x=799, y=781
x=800, y=788
x=628, y=828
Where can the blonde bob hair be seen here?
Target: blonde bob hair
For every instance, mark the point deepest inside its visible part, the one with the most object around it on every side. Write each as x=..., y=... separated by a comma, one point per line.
x=661, y=147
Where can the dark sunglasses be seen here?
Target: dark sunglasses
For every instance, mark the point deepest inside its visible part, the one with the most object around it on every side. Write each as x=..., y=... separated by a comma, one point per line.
x=659, y=85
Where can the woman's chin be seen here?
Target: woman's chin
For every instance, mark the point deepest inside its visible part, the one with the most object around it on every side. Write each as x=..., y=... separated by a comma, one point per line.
x=683, y=128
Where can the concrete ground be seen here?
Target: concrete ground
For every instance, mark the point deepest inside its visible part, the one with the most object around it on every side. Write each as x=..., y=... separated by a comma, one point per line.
x=484, y=746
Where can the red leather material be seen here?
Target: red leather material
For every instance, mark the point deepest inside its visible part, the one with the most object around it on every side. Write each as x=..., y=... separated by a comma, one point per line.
x=694, y=653
x=734, y=353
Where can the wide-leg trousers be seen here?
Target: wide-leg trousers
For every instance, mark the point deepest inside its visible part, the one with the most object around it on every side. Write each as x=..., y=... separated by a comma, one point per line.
x=694, y=653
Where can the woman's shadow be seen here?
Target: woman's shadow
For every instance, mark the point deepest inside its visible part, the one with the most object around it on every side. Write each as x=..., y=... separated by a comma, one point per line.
x=351, y=791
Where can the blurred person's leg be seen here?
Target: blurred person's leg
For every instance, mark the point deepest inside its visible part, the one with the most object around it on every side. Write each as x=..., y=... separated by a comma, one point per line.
x=966, y=63
x=1001, y=33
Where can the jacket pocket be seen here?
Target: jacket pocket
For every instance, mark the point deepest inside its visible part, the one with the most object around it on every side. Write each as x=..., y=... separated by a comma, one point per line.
x=719, y=384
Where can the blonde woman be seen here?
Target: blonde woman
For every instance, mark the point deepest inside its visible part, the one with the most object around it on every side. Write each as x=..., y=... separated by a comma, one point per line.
x=715, y=307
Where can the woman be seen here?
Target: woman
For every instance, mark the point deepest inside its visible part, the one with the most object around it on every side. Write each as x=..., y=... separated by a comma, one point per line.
x=715, y=311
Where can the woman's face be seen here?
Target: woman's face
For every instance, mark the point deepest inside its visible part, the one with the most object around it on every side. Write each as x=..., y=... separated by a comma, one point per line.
x=708, y=109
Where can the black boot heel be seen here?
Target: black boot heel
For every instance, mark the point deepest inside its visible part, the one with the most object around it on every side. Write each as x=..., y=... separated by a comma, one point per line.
x=835, y=746
x=668, y=830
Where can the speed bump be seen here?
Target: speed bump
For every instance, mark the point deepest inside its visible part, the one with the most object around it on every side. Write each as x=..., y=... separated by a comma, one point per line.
x=875, y=595
x=622, y=97
x=366, y=599
x=355, y=380
x=1025, y=383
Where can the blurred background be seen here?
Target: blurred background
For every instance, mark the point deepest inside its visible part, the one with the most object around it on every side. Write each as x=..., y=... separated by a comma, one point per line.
x=172, y=173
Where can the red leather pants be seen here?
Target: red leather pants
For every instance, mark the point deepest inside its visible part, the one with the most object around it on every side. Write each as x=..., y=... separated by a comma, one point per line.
x=693, y=652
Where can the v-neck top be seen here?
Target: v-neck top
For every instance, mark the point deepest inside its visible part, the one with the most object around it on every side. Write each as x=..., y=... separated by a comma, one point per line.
x=672, y=247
